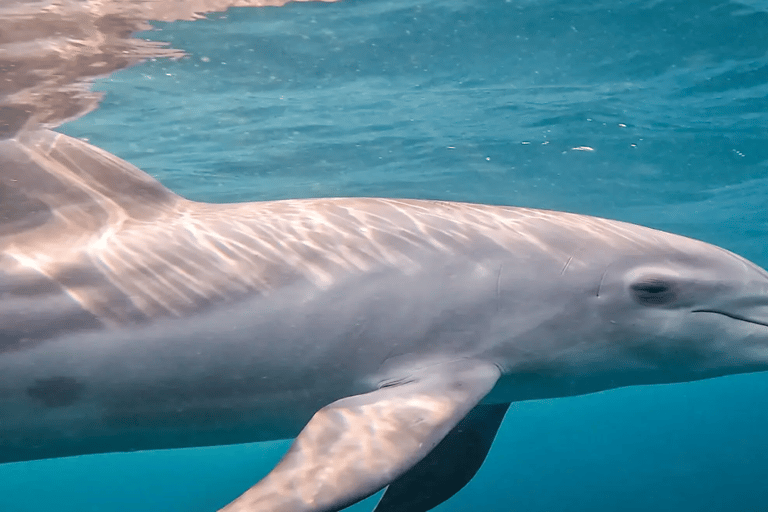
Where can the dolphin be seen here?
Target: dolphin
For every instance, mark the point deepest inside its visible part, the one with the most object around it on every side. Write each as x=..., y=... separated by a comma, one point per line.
x=388, y=336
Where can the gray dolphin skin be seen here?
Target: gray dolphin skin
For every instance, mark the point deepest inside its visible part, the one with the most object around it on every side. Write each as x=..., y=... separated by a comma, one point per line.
x=388, y=336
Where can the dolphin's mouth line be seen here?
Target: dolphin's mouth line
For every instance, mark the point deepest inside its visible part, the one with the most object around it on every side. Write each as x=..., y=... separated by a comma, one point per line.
x=731, y=315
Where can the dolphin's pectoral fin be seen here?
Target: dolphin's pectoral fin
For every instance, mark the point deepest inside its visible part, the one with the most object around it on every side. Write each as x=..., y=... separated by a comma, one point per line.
x=447, y=468
x=359, y=444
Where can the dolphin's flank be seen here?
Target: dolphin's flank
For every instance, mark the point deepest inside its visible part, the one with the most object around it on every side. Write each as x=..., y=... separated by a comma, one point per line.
x=388, y=336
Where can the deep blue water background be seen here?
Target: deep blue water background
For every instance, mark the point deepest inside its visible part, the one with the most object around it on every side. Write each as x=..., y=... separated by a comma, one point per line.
x=654, y=112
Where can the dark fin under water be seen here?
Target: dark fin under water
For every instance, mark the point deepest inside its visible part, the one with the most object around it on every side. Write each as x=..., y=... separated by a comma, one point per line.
x=447, y=468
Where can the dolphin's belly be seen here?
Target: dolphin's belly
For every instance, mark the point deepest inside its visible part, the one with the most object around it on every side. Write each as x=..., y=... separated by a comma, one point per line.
x=75, y=409
x=85, y=430
x=219, y=378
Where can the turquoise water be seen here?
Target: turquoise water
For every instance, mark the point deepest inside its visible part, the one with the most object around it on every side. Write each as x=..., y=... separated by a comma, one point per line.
x=654, y=112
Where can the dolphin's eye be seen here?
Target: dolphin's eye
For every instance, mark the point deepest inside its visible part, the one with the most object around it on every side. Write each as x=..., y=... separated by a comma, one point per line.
x=653, y=291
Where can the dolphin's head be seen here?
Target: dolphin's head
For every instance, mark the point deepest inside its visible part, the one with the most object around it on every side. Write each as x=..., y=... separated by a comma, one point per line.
x=651, y=308
x=694, y=313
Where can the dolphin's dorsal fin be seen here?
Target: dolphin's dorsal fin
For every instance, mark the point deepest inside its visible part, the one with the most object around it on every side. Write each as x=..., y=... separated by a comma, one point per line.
x=59, y=197
x=54, y=187
x=359, y=444
x=62, y=203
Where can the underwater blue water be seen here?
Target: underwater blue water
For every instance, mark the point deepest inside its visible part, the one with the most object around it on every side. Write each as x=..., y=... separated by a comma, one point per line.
x=654, y=112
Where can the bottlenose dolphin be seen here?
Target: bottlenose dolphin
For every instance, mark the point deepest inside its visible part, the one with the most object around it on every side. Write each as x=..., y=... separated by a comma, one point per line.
x=388, y=335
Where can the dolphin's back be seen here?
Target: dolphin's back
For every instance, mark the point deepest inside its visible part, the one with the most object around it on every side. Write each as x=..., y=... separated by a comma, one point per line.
x=102, y=242
x=60, y=200
x=57, y=196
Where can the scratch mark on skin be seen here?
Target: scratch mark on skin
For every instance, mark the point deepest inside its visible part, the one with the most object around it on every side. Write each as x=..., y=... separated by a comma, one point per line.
x=498, y=288
x=567, y=263
x=602, y=278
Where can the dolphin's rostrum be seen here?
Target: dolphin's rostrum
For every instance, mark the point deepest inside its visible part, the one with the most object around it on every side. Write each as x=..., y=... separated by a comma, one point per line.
x=388, y=335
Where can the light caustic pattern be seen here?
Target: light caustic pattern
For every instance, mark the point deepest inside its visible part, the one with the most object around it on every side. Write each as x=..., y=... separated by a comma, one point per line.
x=127, y=249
